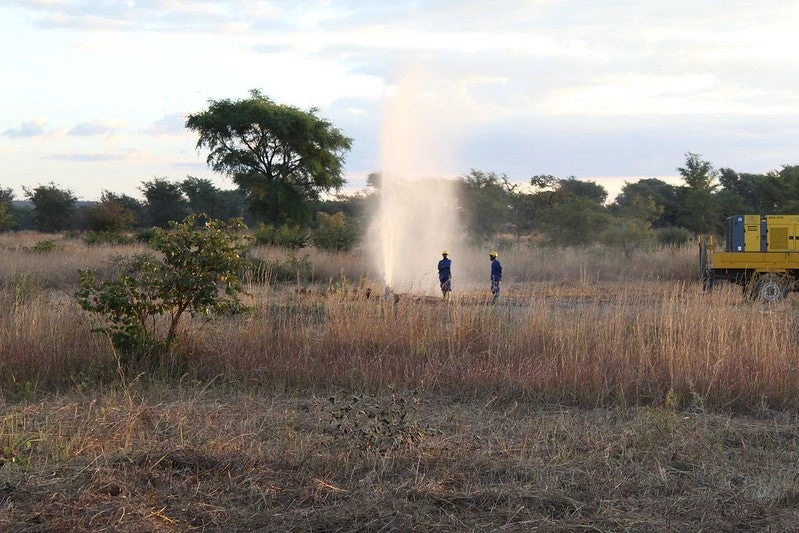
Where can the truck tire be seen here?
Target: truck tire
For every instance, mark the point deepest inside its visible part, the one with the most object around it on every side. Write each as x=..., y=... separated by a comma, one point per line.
x=770, y=288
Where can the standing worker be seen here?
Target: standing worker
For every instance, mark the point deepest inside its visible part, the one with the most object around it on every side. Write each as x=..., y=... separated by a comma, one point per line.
x=445, y=274
x=496, y=276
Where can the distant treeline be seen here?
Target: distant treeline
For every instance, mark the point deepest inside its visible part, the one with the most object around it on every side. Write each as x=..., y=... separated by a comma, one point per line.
x=547, y=209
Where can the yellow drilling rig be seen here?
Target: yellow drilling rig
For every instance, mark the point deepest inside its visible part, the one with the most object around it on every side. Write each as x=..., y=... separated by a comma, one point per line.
x=761, y=253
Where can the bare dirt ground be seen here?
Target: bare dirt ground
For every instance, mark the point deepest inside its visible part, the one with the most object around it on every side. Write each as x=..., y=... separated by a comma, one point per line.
x=198, y=459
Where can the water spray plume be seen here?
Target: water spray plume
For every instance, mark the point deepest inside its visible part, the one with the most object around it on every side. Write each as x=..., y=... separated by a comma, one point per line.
x=417, y=215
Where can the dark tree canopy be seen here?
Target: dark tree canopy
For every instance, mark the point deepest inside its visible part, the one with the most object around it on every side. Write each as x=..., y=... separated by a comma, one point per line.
x=699, y=212
x=165, y=202
x=486, y=201
x=572, y=187
x=53, y=207
x=205, y=198
x=663, y=194
x=281, y=156
x=110, y=216
x=6, y=205
x=128, y=202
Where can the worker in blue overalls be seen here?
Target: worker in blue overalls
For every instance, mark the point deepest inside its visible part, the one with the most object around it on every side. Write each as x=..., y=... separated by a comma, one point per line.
x=445, y=274
x=496, y=276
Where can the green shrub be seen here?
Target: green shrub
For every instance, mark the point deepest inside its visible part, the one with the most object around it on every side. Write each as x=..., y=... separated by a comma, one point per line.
x=335, y=239
x=198, y=275
x=334, y=233
x=145, y=235
x=628, y=235
x=674, y=235
x=99, y=238
x=268, y=271
x=284, y=236
x=44, y=246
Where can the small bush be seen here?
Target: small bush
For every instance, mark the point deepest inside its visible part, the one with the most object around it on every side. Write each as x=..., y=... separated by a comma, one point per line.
x=145, y=235
x=628, y=235
x=44, y=246
x=674, y=235
x=284, y=236
x=269, y=271
x=100, y=238
x=335, y=233
x=198, y=275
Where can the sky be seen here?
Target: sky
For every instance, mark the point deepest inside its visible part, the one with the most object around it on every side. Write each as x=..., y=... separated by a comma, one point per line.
x=95, y=94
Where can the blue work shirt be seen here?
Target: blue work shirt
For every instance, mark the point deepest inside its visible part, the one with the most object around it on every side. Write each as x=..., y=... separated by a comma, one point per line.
x=496, y=270
x=444, y=272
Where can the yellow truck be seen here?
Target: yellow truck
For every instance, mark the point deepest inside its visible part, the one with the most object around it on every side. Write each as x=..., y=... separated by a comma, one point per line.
x=761, y=253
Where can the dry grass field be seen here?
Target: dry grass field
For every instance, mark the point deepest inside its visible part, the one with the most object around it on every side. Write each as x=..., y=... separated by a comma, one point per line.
x=599, y=394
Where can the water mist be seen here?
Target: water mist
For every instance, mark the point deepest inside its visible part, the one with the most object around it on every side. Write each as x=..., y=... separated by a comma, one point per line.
x=417, y=216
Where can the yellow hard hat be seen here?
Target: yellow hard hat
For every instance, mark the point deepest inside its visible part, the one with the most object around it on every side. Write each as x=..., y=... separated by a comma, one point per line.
x=493, y=254
x=445, y=252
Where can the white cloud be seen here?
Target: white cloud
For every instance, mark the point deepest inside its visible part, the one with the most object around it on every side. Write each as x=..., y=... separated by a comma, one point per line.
x=96, y=127
x=31, y=128
x=526, y=86
x=171, y=124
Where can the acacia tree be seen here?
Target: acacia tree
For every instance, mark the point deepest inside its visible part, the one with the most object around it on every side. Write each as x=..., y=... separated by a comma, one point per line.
x=281, y=156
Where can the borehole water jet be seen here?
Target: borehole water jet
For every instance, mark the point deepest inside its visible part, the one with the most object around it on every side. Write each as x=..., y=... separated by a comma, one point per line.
x=418, y=213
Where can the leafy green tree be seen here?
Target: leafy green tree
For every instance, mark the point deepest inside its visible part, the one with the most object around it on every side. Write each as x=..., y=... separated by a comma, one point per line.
x=700, y=213
x=6, y=208
x=631, y=228
x=640, y=206
x=54, y=207
x=6, y=195
x=197, y=275
x=281, y=156
x=374, y=180
x=6, y=218
x=201, y=194
x=789, y=181
x=486, y=202
x=663, y=194
x=205, y=197
x=109, y=216
x=165, y=202
x=527, y=205
x=575, y=221
x=130, y=203
x=628, y=234
x=574, y=187
x=232, y=204
x=23, y=217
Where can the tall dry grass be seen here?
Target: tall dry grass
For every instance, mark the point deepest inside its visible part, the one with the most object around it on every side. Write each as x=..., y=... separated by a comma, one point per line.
x=22, y=263
x=523, y=263
x=571, y=336
x=666, y=342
